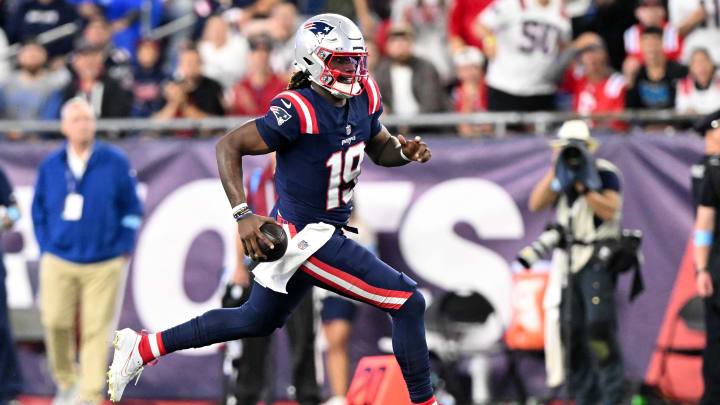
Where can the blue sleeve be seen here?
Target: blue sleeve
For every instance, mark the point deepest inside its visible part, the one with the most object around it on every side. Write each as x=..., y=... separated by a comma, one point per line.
x=39, y=216
x=6, y=196
x=375, y=125
x=128, y=205
x=280, y=127
x=610, y=180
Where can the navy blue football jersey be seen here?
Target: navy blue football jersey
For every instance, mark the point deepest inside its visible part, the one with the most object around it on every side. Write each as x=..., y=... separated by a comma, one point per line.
x=320, y=148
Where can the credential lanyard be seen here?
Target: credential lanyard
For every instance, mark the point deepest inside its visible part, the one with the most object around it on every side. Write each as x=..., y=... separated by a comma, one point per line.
x=72, y=182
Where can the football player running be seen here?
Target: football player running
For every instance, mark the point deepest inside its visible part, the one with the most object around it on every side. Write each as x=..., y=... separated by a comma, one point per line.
x=320, y=129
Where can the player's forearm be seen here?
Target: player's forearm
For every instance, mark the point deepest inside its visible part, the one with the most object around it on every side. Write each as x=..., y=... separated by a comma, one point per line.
x=229, y=161
x=389, y=155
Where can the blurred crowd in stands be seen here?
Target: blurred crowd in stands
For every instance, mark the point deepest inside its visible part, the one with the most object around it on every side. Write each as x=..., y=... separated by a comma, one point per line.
x=589, y=56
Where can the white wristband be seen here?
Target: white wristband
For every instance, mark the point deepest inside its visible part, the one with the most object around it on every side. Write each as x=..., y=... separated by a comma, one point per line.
x=239, y=208
x=402, y=155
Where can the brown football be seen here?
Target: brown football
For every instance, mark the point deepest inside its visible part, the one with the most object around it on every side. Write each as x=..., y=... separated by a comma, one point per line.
x=276, y=234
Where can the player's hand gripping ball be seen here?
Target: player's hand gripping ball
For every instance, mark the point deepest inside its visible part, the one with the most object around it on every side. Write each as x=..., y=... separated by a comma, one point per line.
x=278, y=237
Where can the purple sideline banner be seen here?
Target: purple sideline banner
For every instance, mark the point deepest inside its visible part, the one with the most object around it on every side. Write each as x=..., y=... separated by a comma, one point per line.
x=452, y=224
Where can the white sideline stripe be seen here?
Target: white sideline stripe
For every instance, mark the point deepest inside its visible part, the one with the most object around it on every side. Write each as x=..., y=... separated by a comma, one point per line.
x=153, y=345
x=353, y=288
x=304, y=108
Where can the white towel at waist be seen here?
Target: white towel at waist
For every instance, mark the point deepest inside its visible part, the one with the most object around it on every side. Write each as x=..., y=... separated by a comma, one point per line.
x=275, y=275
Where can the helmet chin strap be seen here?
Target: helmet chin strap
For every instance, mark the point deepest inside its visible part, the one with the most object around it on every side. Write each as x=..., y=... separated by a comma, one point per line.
x=345, y=87
x=334, y=92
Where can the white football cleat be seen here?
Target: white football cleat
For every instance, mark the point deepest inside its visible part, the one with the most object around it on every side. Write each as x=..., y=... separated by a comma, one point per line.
x=127, y=363
x=336, y=400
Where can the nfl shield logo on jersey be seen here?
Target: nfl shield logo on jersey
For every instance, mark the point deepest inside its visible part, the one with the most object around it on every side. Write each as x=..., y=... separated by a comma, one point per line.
x=281, y=115
x=319, y=28
x=302, y=245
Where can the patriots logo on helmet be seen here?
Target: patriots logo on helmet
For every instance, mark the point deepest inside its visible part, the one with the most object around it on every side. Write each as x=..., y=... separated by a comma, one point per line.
x=319, y=28
x=281, y=115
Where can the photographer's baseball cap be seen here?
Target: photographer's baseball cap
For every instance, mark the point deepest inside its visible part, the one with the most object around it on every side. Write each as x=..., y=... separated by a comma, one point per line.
x=576, y=130
x=708, y=122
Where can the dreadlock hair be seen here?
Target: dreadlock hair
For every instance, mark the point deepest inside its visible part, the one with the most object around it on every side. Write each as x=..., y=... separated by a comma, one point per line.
x=299, y=80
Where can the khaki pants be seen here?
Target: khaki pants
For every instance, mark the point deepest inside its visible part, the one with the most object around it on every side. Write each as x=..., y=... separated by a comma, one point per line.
x=70, y=289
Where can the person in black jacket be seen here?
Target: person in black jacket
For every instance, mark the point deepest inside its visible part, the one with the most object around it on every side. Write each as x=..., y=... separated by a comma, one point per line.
x=707, y=258
x=106, y=95
x=191, y=94
x=409, y=85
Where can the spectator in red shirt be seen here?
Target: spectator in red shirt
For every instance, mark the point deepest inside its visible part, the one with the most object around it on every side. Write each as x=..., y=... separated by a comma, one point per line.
x=470, y=94
x=463, y=14
x=252, y=94
x=650, y=13
x=594, y=86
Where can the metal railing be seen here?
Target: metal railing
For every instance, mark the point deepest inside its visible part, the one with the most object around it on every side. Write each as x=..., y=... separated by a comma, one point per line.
x=543, y=122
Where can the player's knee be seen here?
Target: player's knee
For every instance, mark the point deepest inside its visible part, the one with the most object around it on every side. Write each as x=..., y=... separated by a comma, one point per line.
x=414, y=306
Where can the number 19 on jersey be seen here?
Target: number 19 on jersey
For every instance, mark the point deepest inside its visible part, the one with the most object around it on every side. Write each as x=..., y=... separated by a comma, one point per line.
x=343, y=172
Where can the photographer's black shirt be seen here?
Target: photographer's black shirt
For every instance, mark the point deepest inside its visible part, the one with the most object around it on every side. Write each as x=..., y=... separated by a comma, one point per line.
x=710, y=197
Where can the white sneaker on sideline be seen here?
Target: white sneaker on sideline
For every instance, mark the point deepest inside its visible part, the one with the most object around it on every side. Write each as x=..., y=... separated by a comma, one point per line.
x=66, y=397
x=127, y=363
x=337, y=400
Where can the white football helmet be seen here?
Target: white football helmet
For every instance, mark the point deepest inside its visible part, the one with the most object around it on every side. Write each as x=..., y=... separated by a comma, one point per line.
x=332, y=50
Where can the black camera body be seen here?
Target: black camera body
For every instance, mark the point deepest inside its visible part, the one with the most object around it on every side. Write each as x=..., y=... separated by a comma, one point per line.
x=576, y=164
x=619, y=255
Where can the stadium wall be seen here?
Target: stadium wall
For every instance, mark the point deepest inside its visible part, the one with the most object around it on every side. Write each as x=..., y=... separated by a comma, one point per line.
x=452, y=224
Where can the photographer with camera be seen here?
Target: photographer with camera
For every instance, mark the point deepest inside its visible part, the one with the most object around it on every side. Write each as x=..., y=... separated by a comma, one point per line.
x=585, y=193
x=707, y=253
